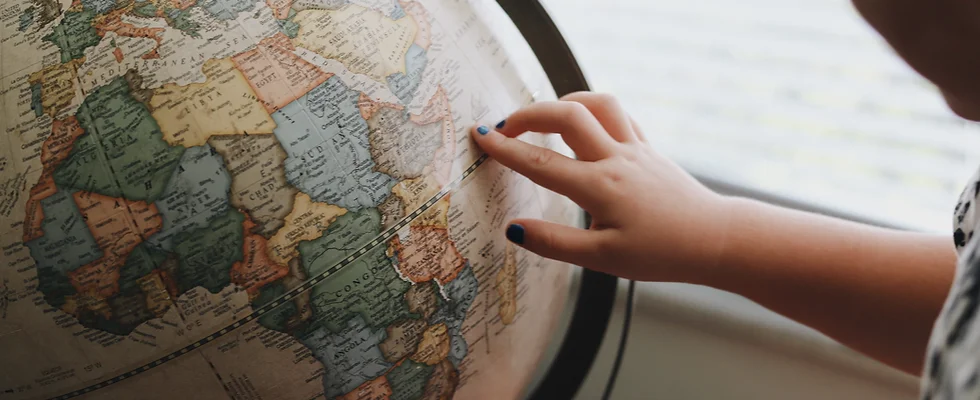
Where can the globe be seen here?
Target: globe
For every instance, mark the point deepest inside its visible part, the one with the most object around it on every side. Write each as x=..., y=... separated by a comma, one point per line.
x=267, y=199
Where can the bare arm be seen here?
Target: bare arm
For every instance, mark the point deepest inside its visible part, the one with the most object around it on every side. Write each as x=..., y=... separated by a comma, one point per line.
x=875, y=290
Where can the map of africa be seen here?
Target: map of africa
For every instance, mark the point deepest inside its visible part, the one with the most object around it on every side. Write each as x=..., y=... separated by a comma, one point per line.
x=267, y=199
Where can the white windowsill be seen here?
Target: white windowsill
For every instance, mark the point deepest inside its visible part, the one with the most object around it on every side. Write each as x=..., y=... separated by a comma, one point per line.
x=738, y=318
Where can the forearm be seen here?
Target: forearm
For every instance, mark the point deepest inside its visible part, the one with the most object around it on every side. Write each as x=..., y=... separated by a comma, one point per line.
x=875, y=290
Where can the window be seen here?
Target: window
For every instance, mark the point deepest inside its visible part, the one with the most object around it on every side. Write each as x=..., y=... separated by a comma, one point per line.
x=799, y=98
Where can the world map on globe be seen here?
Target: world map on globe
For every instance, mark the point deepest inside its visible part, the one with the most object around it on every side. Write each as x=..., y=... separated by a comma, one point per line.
x=267, y=199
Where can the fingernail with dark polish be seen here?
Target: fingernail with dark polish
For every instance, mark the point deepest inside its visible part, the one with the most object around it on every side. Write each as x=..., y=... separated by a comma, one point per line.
x=515, y=233
x=483, y=130
x=501, y=123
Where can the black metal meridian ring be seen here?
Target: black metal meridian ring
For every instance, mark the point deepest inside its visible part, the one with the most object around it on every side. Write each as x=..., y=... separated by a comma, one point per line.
x=597, y=295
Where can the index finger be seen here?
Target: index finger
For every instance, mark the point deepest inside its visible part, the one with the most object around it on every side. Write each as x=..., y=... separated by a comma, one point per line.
x=544, y=167
x=573, y=121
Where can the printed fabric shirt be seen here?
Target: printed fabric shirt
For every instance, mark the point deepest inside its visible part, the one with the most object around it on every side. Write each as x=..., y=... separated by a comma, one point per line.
x=952, y=361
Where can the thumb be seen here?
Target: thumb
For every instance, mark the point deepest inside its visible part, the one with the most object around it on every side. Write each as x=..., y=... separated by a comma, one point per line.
x=558, y=242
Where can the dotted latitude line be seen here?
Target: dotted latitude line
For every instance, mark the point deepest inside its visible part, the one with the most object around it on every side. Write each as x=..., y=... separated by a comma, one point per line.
x=289, y=296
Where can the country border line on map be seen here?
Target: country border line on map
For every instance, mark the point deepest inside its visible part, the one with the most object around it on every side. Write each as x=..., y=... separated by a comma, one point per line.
x=288, y=296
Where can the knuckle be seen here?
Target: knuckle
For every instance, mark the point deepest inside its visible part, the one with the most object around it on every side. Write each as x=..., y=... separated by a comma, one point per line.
x=630, y=154
x=576, y=110
x=539, y=157
x=597, y=254
x=614, y=169
x=575, y=95
x=577, y=117
x=613, y=176
x=595, y=101
x=607, y=100
x=502, y=142
x=603, y=246
x=610, y=178
x=548, y=240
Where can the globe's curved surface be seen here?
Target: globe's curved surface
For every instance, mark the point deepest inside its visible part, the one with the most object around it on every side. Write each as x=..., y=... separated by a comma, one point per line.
x=266, y=199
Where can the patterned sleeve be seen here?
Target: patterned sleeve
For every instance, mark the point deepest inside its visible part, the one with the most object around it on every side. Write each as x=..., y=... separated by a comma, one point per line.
x=954, y=347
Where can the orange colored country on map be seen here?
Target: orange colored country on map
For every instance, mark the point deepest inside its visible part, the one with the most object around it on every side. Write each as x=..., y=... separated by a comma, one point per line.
x=437, y=109
x=183, y=4
x=54, y=150
x=280, y=8
x=113, y=22
x=118, y=226
x=423, y=37
x=35, y=214
x=368, y=107
x=276, y=74
x=256, y=270
x=377, y=389
x=428, y=254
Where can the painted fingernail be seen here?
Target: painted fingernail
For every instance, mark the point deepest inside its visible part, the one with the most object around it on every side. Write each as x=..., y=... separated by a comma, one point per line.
x=483, y=130
x=501, y=123
x=515, y=233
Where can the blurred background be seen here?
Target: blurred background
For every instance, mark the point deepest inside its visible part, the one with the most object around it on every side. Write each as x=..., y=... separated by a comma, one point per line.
x=795, y=97
x=796, y=101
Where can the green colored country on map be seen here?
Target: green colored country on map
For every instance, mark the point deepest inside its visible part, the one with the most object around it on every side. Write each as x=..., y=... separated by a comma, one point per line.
x=350, y=357
x=67, y=244
x=206, y=255
x=36, y=100
x=461, y=293
x=74, y=34
x=181, y=20
x=26, y=19
x=369, y=286
x=278, y=318
x=408, y=380
x=103, y=6
x=226, y=9
x=288, y=26
x=146, y=9
x=122, y=153
x=127, y=310
x=140, y=262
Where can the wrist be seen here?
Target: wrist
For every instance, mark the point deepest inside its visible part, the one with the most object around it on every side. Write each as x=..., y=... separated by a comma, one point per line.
x=715, y=263
x=700, y=264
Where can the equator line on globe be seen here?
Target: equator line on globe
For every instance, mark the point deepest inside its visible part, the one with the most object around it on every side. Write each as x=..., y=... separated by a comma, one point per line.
x=257, y=199
x=306, y=286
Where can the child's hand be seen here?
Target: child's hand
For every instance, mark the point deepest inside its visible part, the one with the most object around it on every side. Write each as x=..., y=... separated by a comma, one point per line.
x=651, y=220
x=874, y=289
